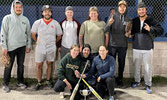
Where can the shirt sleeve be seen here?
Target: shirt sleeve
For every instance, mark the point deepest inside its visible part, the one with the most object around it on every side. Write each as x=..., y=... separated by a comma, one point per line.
x=4, y=33
x=34, y=28
x=61, y=69
x=28, y=35
x=82, y=29
x=58, y=30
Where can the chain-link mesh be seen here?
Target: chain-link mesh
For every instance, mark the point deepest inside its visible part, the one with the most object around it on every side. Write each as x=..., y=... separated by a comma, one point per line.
x=32, y=9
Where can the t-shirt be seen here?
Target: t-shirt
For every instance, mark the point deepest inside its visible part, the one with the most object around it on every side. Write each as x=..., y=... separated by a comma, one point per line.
x=93, y=34
x=46, y=34
x=69, y=33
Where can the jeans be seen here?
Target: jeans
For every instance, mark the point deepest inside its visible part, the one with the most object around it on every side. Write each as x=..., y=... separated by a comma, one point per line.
x=60, y=86
x=20, y=54
x=101, y=86
x=121, y=51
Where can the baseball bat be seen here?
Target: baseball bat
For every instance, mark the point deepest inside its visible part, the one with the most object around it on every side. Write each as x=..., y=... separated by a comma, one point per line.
x=92, y=90
x=77, y=85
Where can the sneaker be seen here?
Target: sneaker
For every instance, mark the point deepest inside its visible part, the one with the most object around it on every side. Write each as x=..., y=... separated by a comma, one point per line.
x=111, y=98
x=135, y=84
x=61, y=95
x=148, y=88
x=22, y=86
x=49, y=84
x=5, y=88
x=38, y=86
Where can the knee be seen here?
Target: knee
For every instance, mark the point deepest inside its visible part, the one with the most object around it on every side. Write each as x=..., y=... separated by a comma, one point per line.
x=58, y=88
x=39, y=67
x=110, y=80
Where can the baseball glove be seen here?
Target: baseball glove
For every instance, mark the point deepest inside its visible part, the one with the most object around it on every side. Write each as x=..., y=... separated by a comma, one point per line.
x=5, y=59
x=128, y=26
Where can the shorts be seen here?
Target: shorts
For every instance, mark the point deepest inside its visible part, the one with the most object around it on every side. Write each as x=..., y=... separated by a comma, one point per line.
x=42, y=55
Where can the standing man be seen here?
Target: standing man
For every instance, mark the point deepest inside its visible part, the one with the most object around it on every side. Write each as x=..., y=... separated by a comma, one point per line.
x=47, y=30
x=112, y=12
x=16, y=40
x=70, y=28
x=144, y=30
x=118, y=39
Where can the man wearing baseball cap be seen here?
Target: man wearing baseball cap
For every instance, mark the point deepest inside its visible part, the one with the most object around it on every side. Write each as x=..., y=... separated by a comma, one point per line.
x=144, y=29
x=47, y=29
x=70, y=27
x=118, y=39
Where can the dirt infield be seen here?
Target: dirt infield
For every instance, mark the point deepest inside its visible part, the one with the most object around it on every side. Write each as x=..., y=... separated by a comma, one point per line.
x=123, y=93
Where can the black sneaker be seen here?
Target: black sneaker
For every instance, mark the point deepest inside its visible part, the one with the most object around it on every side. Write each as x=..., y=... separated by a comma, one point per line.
x=49, y=84
x=5, y=88
x=38, y=86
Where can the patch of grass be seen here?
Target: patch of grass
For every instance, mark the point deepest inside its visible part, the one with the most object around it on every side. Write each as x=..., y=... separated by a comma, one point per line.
x=157, y=81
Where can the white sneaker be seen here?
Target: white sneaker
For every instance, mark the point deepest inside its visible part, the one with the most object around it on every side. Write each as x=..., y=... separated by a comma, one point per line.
x=22, y=86
x=61, y=95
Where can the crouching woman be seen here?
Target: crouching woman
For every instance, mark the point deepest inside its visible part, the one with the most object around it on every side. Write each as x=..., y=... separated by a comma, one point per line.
x=66, y=74
x=104, y=65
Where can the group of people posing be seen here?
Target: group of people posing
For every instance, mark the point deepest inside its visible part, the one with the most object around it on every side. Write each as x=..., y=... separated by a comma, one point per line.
x=93, y=40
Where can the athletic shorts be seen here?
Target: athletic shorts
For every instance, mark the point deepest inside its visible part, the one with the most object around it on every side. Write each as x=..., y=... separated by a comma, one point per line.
x=42, y=55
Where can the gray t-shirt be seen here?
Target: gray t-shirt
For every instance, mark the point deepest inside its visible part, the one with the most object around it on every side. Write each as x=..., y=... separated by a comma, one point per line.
x=93, y=34
x=46, y=34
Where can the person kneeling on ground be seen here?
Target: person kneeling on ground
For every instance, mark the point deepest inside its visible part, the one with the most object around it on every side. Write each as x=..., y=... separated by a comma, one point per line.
x=66, y=75
x=105, y=66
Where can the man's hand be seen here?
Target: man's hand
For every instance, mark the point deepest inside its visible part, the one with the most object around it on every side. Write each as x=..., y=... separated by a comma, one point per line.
x=28, y=50
x=127, y=34
x=83, y=76
x=5, y=52
x=98, y=79
x=77, y=74
x=146, y=27
x=111, y=20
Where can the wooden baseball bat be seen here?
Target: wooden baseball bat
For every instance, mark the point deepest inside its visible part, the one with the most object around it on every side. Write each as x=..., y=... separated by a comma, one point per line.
x=77, y=85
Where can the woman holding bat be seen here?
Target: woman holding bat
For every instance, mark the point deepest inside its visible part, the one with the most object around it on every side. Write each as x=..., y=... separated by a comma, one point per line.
x=104, y=64
x=66, y=74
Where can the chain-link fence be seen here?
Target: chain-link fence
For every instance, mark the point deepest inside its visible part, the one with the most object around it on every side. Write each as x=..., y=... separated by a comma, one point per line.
x=32, y=9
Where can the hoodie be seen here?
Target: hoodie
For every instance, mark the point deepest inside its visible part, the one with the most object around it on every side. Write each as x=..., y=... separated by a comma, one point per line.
x=15, y=31
x=117, y=30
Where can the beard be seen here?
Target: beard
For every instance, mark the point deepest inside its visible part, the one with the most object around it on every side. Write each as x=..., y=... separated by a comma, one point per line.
x=47, y=18
x=142, y=16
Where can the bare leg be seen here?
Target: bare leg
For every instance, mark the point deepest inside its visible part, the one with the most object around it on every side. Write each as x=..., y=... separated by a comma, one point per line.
x=49, y=69
x=39, y=71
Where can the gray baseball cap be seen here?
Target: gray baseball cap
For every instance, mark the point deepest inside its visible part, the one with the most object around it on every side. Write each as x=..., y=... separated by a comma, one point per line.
x=69, y=8
x=141, y=5
x=46, y=7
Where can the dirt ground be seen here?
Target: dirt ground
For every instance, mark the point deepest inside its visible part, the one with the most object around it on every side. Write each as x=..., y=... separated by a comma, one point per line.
x=123, y=93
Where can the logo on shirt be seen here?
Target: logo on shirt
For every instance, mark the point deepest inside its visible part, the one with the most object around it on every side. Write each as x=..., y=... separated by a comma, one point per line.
x=52, y=26
x=24, y=23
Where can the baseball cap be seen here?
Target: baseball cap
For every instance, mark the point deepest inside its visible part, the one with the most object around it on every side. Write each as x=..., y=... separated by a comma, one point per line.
x=141, y=5
x=46, y=7
x=122, y=2
x=69, y=8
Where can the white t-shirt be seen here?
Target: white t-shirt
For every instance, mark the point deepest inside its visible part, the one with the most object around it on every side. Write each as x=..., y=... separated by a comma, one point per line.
x=141, y=25
x=69, y=33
